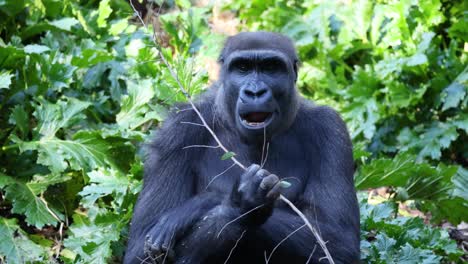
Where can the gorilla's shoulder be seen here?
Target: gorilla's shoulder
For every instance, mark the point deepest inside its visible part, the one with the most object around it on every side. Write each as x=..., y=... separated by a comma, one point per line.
x=320, y=119
x=183, y=125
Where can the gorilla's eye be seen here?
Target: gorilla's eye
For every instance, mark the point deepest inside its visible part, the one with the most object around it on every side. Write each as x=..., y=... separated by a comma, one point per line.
x=242, y=66
x=272, y=65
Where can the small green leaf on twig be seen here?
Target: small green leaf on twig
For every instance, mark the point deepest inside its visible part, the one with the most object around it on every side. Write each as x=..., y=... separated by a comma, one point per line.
x=285, y=184
x=228, y=155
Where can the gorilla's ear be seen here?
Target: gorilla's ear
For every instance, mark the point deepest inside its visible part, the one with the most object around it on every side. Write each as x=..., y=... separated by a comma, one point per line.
x=296, y=65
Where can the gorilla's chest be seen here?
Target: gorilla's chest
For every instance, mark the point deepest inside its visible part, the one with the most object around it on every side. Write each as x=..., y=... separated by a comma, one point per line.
x=290, y=162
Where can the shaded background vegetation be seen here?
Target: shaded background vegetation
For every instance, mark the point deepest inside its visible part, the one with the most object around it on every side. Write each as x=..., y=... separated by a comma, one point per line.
x=81, y=89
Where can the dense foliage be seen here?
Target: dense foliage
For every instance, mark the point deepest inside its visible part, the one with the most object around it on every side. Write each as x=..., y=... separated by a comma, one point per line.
x=81, y=87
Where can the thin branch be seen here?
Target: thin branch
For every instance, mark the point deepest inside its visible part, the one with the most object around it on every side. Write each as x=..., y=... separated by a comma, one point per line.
x=235, y=245
x=281, y=242
x=216, y=176
x=263, y=146
x=314, y=231
x=266, y=155
x=215, y=137
x=311, y=254
x=237, y=218
x=200, y=146
x=192, y=123
x=168, y=247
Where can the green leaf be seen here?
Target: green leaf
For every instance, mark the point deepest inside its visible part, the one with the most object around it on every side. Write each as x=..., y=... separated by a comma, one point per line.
x=34, y=48
x=20, y=118
x=104, y=12
x=417, y=59
x=384, y=245
x=86, y=150
x=386, y=172
x=460, y=181
x=415, y=181
x=91, y=57
x=26, y=201
x=40, y=183
x=15, y=246
x=65, y=23
x=92, y=240
x=11, y=56
x=428, y=141
x=362, y=117
x=102, y=183
x=456, y=91
x=285, y=184
x=228, y=155
x=5, y=79
x=118, y=27
x=52, y=117
x=135, y=110
x=5, y=180
x=461, y=122
x=410, y=255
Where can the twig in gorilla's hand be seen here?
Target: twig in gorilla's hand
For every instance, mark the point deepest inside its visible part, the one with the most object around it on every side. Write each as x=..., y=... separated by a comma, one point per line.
x=281, y=242
x=234, y=247
x=220, y=174
x=215, y=137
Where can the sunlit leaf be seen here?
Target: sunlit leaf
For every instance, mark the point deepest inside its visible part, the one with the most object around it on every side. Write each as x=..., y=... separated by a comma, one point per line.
x=15, y=245
x=34, y=48
x=5, y=79
x=104, y=12
x=65, y=23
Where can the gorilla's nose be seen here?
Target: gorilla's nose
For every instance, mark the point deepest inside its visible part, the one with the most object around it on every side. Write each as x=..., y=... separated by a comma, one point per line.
x=255, y=95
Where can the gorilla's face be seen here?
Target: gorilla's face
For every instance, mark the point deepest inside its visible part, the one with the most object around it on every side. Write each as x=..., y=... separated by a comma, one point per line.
x=259, y=91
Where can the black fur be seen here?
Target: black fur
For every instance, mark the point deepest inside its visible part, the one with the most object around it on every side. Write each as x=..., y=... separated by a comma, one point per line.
x=183, y=211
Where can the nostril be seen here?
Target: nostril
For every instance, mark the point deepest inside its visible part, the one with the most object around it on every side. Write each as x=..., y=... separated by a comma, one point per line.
x=261, y=92
x=249, y=93
x=252, y=94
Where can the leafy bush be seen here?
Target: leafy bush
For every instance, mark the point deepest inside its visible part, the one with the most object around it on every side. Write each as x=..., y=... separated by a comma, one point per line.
x=81, y=88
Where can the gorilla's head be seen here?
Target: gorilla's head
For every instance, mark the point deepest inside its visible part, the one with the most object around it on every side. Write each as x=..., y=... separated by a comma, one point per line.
x=258, y=77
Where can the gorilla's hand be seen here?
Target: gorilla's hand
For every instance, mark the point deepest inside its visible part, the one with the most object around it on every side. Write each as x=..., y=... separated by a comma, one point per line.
x=161, y=240
x=258, y=188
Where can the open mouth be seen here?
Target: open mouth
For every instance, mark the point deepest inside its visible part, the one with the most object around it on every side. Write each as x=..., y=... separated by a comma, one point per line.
x=256, y=119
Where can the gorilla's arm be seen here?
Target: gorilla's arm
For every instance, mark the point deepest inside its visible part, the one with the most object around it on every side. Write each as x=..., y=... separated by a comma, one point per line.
x=167, y=202
x=329, y=194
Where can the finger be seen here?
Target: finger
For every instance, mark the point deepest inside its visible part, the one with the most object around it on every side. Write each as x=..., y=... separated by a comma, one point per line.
x=269, y=181
x=251, y=171
x=248, y=176
x=259, y=176
x=274, y=192
x=262, y=173
x=147, y=247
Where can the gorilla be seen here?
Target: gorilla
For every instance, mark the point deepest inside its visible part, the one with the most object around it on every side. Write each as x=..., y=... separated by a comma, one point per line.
x=196, y=206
